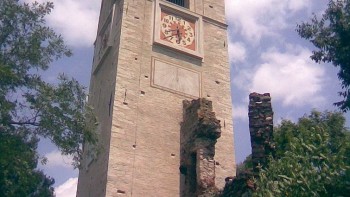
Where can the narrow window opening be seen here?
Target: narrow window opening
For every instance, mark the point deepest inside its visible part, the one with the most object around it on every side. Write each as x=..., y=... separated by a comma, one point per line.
x=192, y=174
x=182, y=3
x=110, y=105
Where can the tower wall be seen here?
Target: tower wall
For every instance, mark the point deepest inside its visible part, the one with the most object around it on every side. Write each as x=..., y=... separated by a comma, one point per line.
x=141, y=135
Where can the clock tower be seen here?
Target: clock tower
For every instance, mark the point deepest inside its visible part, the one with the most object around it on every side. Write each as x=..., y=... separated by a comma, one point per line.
x=150, y=56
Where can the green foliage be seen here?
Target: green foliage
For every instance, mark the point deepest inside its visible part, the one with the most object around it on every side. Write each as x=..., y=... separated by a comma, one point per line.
x=247, y=164
x=31, y=108
x=18, y=160
x=27, y=102
x=312, y=158
x=330, y=35
x=61, y=115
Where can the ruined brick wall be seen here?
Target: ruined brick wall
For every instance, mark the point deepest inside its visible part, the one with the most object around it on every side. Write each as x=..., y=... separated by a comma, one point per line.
x=261, y=135
x=199, y=133
x=261, y=128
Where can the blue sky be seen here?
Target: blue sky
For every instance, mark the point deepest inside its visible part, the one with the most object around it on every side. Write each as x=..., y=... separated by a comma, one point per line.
x=266, y=55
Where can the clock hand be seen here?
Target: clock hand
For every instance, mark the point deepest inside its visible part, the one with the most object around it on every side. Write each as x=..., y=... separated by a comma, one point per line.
x=172, y=34
x=178, y=35
x=171, y=30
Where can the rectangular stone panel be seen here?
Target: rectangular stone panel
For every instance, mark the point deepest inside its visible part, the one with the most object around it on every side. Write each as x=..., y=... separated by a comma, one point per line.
x=176, y=79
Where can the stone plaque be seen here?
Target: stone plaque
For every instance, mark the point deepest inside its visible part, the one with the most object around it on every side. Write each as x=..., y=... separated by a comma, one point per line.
x=176, y=79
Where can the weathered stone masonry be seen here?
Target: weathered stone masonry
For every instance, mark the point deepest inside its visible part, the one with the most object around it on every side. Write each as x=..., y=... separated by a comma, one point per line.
x=140, y=120
x=199, y=133
x=261, y=128
x=261, y=135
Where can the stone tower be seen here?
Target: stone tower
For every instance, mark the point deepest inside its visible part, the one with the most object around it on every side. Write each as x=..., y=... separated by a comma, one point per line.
x=150, y=56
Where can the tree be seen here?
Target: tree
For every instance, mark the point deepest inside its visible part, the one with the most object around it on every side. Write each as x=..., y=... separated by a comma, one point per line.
x=247, y=164
x=30, y=107
x=312, y=158
x=330, y=35
x=18, y=162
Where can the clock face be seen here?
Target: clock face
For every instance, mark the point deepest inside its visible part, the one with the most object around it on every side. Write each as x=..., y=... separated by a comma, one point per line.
x=178, y=30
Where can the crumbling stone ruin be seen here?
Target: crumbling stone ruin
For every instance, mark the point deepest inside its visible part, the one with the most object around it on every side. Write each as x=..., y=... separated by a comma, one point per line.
x=261, y=128
x=261, y=135
x=199, y=133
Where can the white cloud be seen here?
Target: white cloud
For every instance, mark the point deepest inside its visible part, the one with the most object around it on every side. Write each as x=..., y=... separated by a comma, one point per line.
x=76, y=20
x=240, y=112
x=67, y=189
x=242, y=77
x=290, y=77
x=55, y=159
x=237, y=52
x=255, y=19
x=296, y=5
